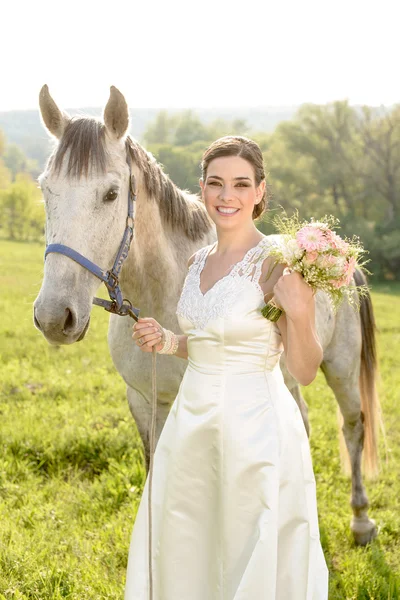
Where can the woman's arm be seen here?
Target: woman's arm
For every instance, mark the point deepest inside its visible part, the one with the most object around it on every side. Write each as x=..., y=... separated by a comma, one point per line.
x=297, y=324
x=302, y=347
x=147, y=332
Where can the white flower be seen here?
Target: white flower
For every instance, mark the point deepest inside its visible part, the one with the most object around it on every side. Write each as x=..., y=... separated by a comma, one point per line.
x=338, y=268
x=317, y=224
x=291, y=251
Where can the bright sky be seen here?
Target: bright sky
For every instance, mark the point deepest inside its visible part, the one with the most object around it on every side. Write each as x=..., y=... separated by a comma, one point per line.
x=213, y=53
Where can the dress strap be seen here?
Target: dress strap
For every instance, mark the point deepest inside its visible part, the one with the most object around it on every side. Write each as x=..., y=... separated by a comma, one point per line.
x=251, y=266
x=200, y=257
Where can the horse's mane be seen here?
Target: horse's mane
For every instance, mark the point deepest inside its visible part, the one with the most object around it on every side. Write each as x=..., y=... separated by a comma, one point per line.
x=176, y=206
x=84, y=138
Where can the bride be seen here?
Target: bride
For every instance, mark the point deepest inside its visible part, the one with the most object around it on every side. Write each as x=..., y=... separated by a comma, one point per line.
x=234, y=506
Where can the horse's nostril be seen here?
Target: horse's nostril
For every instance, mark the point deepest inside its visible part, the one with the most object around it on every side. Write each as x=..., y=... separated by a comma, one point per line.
x=36, y=322
x=69, y=322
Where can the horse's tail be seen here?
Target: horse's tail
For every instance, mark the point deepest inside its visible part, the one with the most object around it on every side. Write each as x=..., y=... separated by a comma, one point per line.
x=370, y=405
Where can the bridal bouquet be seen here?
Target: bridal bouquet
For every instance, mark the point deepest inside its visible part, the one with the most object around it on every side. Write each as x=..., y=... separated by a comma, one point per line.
x=325, y=260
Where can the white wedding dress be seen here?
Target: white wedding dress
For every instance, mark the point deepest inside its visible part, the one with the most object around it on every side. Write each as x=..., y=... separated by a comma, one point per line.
x=234, y=499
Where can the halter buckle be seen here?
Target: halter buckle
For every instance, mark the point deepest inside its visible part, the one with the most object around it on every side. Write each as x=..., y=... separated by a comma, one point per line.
x=113, y=278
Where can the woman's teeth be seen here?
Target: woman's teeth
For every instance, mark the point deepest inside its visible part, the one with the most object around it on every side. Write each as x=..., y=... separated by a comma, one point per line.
x=227, y=211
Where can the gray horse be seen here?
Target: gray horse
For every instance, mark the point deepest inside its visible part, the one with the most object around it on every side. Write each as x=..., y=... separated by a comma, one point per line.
x=85, y=187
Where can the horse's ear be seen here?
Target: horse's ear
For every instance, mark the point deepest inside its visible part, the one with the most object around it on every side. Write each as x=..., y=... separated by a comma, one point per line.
x=54, y=119
x=116, y=114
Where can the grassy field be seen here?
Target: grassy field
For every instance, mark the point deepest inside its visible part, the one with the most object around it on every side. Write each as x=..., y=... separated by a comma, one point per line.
x=71, y=463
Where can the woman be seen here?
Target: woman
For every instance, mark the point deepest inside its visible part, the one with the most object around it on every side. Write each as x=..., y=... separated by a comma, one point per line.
x=234, y=501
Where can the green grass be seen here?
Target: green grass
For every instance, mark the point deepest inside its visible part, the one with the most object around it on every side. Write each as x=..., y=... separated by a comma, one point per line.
x=71, y=465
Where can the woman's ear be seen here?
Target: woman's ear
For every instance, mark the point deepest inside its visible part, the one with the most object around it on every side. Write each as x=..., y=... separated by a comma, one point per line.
x=260, y=191
x=201, y=184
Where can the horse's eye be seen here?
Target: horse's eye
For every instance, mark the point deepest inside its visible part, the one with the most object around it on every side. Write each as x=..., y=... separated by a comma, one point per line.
x=111, y=195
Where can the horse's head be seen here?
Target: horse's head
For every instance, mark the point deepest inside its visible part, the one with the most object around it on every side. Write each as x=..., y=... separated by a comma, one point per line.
x=85, y=187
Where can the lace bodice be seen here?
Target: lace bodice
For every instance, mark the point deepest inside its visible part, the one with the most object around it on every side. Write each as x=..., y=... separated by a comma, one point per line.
x=219, y=300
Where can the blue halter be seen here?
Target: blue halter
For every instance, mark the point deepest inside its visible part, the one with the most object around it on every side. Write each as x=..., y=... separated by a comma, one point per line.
x=117, y=305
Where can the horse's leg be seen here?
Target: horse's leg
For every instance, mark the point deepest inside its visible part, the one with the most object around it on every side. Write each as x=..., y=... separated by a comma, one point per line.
x=342, y=374
x=140, y=408
x=345, y=386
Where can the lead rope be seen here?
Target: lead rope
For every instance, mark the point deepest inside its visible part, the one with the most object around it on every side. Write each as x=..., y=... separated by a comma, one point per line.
x=152, y=443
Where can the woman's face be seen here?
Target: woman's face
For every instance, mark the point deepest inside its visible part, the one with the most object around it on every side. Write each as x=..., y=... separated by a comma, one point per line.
x=230, y=191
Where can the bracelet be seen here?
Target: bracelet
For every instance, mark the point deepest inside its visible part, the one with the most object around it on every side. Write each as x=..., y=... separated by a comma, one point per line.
x=171, y=343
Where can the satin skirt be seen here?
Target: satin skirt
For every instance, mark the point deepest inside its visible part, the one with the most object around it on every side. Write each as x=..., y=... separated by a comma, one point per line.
x=234, y=498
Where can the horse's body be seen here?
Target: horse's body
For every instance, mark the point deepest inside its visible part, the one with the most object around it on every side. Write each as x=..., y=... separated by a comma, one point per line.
x=82, y=210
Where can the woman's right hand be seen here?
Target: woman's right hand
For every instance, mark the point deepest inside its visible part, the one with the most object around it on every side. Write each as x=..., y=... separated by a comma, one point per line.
x=147, y=332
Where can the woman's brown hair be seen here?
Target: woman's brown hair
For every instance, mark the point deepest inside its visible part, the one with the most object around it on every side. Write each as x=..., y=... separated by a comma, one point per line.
x=237, y=145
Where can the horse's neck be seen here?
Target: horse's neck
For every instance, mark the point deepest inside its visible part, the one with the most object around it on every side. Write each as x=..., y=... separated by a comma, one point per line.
x=153, y=273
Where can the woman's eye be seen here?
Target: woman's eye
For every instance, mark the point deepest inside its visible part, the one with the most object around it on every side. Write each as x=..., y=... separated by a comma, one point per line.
x=242, y=185
x=214, y=183
x=111, y=195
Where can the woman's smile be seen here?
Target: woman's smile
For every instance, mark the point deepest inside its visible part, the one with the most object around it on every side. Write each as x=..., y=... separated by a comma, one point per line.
x=227, y=211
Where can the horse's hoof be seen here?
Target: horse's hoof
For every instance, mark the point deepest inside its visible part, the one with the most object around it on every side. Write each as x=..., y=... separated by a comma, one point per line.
x=364, y=530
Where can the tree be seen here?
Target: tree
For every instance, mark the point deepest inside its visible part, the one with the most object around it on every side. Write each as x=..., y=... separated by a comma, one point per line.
x=2, y=142
x=220, y=127
x=326, y=136
x=21, y=212
x=331, y=159
x=16, y=161
x=5, y=176
x=380, y=135
x=189, y=129
x=181, y=164
x=162, y=130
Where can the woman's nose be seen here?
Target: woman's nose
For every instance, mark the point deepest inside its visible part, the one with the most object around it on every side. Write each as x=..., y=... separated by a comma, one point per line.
x=226, y=193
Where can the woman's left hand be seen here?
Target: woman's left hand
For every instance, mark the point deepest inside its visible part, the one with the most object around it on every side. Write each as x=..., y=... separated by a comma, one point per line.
x=293, y=294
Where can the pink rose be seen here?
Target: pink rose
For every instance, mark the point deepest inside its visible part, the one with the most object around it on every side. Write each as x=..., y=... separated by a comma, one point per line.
x=337, y=283
x=310, y=257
